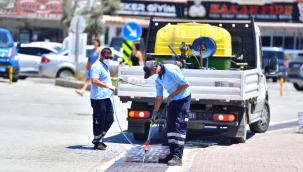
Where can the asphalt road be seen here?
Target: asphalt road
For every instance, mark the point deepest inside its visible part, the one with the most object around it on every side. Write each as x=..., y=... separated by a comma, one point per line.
x=44, y=127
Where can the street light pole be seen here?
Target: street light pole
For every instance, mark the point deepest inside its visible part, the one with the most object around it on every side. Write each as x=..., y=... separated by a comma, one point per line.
x=77, y=48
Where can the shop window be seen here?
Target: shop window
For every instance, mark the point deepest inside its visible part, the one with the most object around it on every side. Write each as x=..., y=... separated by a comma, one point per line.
x=119, y=32
x=277, y=41
x=289, y=43
x=299, y=43
x=265, y=41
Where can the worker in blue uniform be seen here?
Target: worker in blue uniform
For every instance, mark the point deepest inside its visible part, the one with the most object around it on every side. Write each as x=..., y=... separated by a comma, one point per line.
x=170, y=77
x=101, y=91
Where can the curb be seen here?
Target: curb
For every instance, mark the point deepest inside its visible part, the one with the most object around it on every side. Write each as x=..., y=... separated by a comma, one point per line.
x=74, y=84
x=117, y=153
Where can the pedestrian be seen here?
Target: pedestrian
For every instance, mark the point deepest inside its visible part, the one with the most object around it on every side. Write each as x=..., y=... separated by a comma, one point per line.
x=135, y=56
x=101, y=91
x=94, y=56
x=170, y=77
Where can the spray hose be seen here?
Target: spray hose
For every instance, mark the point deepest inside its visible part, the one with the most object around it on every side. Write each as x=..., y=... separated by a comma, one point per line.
x=158, y=121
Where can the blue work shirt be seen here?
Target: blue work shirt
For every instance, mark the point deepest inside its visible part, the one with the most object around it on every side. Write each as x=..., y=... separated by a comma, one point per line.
x=172, y=78
x=100, y=70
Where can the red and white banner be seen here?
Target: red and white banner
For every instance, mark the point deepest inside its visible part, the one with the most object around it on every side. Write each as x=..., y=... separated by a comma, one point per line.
x=46, y=9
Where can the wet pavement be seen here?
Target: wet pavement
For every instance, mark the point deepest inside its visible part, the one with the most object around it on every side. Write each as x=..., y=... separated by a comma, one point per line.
x=132, y=161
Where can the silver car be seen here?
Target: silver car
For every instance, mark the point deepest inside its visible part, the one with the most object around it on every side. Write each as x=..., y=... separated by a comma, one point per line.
x=58, y=65
x=30, y=57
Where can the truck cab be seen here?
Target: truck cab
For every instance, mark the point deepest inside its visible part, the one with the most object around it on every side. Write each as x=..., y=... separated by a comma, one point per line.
x=221, y=60
x=8, y=56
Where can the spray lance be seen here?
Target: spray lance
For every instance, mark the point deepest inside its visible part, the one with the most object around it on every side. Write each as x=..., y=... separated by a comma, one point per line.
x=157, y=121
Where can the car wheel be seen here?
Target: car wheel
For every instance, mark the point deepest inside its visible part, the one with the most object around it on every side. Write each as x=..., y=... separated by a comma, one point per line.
x=65, y=73
x=298, y=87
x=15, y=79
x=22, y=77
x=262, y=125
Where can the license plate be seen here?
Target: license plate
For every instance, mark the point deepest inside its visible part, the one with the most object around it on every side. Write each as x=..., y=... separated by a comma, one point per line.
x=192, y=115
x=2, y=69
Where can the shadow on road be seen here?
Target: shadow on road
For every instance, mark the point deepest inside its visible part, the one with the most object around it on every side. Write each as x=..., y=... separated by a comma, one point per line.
x=83, y=147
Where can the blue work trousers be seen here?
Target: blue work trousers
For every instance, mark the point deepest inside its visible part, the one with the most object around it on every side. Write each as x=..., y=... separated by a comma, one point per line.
x=103, y=117
x=177, y=119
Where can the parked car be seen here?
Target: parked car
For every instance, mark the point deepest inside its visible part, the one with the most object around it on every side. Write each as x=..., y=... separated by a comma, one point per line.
x=282, y=64
x=58, y=65
x=295, y=72
x=30, y=57
x=8, y=55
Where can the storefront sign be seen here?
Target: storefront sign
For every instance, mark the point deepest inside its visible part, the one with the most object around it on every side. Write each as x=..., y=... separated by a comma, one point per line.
x=8, y=7
x=148, y=8
x=251, y=2
x=229, y=11
x=41, y=9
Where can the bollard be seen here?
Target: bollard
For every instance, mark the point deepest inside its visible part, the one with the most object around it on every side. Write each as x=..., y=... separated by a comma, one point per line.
x=10, y=75
x=281, y=81
x=300, y=121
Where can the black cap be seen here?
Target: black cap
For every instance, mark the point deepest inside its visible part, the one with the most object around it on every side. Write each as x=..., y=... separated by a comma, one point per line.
x=148, y=67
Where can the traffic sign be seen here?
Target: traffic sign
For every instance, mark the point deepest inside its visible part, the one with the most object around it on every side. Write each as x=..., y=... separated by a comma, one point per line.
x=131, y=31
x=74, y=24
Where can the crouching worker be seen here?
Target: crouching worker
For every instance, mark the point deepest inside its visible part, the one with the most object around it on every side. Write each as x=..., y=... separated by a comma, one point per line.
x=101, y=91
x=170, y=77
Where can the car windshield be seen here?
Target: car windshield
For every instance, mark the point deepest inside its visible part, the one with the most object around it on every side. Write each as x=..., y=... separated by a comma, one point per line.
x=278, y=54
x=5, y=40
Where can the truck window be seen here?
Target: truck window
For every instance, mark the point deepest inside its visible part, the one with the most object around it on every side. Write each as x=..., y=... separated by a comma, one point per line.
x=5, y=40
x=237, y=45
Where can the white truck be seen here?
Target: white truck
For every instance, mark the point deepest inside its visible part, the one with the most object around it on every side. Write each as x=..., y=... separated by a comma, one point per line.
x=229, y=98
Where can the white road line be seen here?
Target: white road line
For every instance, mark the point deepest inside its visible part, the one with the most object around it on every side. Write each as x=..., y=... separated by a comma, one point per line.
x=282, y=122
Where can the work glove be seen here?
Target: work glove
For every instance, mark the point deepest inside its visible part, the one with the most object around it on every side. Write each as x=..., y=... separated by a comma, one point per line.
x=170, y=97
x=154, y=117
x=120, y=79
x=111, y=87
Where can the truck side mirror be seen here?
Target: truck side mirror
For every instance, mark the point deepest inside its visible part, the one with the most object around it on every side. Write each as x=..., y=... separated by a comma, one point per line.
x=272, y=67
x=18, y=46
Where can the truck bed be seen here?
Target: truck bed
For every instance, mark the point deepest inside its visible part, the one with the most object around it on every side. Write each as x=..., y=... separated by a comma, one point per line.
x=240, y=85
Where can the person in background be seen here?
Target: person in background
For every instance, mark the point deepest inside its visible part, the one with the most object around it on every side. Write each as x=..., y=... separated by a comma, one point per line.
x=101, y=91
x=135, y=56
x=94, y=56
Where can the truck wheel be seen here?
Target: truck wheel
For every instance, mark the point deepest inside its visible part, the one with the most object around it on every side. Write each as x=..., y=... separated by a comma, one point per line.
x=242, y=121
x=142, y=136
x=298, y=87
x=262, y=125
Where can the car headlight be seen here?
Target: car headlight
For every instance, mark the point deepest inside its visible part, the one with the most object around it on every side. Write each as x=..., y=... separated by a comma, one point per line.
x=301, y=71
x=15, y=58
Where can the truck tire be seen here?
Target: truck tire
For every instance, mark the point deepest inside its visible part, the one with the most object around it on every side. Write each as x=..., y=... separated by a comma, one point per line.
x=242, y=122
x=22, y=77
x=259, y=127
x=298, y=87
x=142, y=136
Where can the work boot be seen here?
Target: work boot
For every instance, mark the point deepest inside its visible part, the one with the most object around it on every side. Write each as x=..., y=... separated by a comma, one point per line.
x=95, y=141
x=99, y=146
x=166, y=159
x=176, y=161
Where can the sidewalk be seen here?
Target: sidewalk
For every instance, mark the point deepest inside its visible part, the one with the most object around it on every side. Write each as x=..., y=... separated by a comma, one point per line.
x=277, y=153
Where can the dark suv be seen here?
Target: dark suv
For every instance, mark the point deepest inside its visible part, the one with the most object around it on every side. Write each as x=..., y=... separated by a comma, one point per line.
x=295, y=72
x=280, y=55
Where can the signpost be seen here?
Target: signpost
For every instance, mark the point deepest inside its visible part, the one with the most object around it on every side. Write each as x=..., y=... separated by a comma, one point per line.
x=131, y=31
x=78, y=25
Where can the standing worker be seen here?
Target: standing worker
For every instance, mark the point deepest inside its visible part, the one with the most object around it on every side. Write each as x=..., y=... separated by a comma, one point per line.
x=170, y=77
x=135, y=56
x=94, y=56
x=101, y=91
